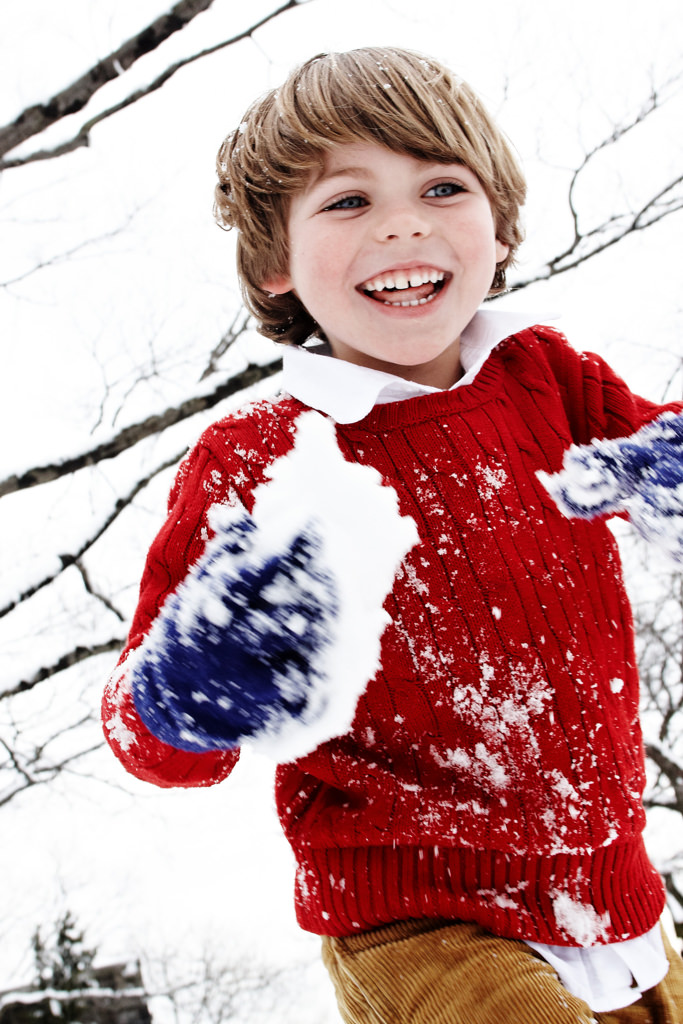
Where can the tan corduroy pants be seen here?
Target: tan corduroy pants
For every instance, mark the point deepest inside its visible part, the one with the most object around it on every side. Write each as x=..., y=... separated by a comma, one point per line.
x=436, y=972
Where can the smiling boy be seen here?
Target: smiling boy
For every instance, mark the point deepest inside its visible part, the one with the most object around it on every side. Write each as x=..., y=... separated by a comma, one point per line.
x=367, y=575
x=394, y=256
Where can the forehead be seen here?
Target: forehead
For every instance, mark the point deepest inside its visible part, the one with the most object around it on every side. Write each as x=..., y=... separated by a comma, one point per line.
x=370, y=159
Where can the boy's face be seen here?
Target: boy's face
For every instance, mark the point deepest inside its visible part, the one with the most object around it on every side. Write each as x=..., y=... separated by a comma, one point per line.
x=392, y=255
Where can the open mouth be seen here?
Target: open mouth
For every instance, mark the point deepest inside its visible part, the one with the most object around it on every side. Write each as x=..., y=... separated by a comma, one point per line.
x=414, y=287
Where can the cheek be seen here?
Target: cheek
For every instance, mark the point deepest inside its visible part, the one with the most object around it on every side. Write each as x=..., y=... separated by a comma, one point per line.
x=317, y=259
x=483, y=245
x=325, y=244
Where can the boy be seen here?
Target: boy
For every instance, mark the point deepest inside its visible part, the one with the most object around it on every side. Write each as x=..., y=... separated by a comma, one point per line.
x=369, y=577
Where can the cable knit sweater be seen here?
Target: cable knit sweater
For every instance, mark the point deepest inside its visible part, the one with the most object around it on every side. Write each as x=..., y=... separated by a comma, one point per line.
x=494, y=769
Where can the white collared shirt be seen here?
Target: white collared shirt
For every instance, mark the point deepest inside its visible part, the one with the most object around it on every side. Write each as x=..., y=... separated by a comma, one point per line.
x=348, y=392
x=606, y=977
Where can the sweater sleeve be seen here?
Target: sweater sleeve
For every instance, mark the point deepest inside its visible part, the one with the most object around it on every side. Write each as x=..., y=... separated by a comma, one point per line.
x=201, y=482
x=598, y=403
x=627, y=455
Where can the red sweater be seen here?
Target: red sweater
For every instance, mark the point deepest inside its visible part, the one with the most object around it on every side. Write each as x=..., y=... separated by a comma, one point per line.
x=494, y=770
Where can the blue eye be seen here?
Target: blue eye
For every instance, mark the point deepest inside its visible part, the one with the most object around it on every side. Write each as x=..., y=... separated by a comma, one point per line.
x=348, y=203
x=444, y=190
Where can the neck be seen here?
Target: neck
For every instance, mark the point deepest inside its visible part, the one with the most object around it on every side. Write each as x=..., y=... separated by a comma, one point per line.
x=442, y=372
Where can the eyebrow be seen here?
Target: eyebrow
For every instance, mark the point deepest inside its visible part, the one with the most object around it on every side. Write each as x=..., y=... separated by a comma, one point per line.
x=341, y=172
x=363, y=172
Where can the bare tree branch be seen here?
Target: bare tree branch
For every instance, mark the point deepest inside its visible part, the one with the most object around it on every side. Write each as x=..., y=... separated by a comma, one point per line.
x=74, y=97
x=31, y=772
x=20, y=769
x=607, y=234
x=64, y=103
x=74, y=558
x=212, y=988
x=63, y=257
x=236, y=328
x=130, y=436
x=672, y=771
x=676, y=893
x=68, y=660
x=89, y=586
x=588, y=243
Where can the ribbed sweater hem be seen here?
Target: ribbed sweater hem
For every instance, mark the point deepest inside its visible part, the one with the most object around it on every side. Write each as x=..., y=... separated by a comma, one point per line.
x=577, y=899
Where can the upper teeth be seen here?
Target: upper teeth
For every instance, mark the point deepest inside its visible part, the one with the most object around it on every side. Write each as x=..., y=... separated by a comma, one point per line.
x=403, y=279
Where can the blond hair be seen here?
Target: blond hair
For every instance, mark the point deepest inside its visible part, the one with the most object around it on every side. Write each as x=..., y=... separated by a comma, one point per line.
x=394, y=97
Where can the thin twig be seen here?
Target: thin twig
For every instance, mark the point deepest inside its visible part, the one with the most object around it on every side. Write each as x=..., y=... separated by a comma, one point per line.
x=74, y=558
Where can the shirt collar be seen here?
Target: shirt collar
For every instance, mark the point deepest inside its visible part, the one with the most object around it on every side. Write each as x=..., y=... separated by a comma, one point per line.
x=348, y=392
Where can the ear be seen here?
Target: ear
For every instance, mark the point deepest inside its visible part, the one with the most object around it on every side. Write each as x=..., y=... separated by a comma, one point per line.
x=502, y=251
x=278, y=284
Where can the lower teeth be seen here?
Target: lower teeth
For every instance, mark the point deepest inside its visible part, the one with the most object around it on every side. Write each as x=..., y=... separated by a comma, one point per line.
x=412, y=302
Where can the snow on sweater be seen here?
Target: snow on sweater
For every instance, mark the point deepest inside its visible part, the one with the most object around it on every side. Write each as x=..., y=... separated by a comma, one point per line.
x=494, y=768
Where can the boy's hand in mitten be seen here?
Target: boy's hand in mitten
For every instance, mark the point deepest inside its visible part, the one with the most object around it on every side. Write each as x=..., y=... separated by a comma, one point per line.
x=238, y=648
x=275, y=632
x=641, y=475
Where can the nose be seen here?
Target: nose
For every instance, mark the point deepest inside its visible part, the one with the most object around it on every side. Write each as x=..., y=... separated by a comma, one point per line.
x=401, y=223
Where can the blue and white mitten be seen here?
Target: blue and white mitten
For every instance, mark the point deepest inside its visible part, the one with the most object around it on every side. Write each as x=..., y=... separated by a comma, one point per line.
x=641, y=475
x=275, y=632
x=236, y=649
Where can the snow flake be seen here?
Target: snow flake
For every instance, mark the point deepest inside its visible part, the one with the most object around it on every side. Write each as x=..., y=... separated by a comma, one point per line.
x=119, y=732
x=493, y=480
x=580, y=921
x=416, y=582
x=451, y=758
x=485, y=768
x=497, y=774
x=487, y=670
x=499, y=899
x=563, y=786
